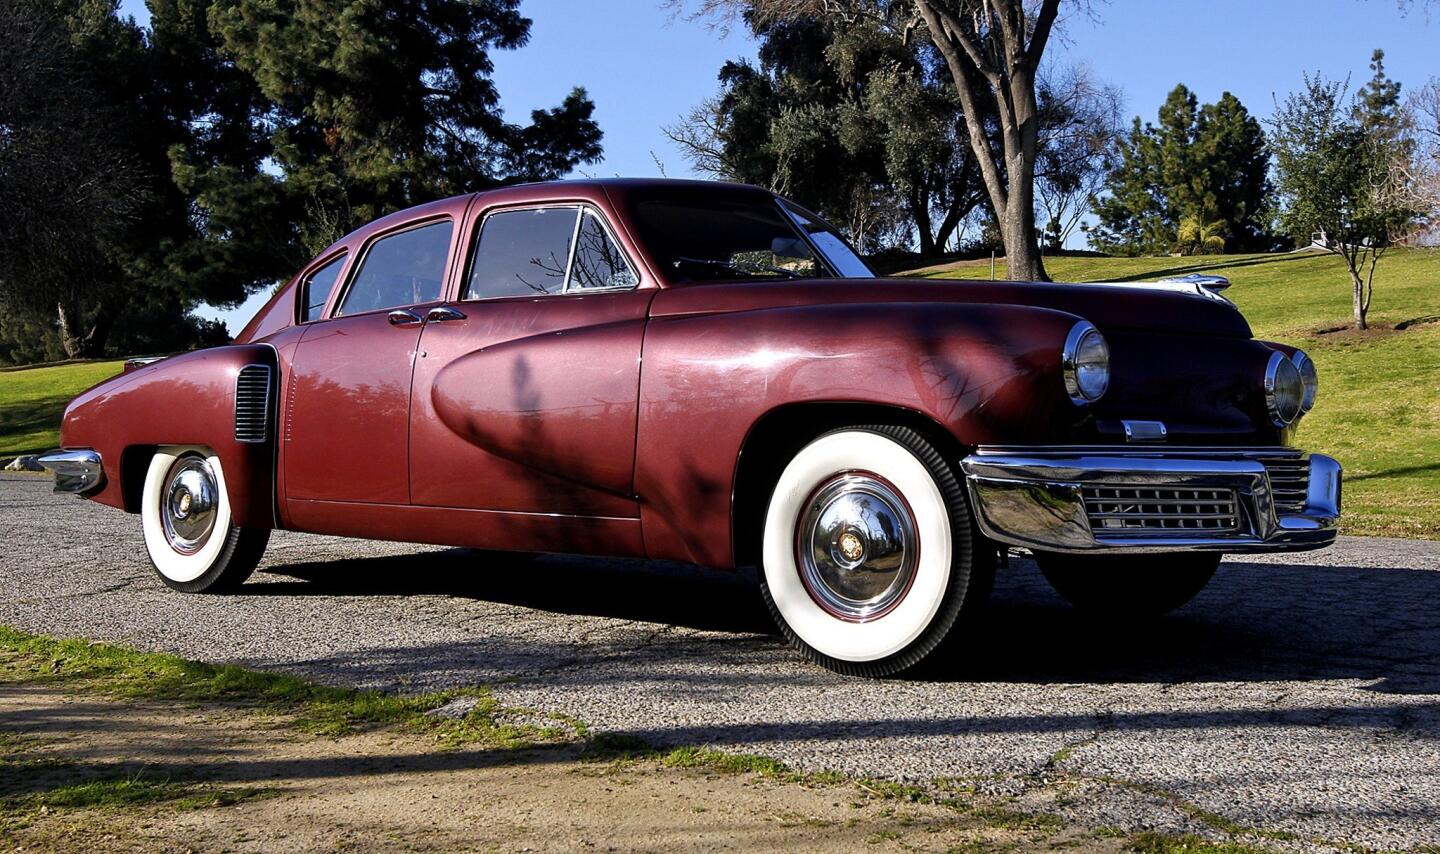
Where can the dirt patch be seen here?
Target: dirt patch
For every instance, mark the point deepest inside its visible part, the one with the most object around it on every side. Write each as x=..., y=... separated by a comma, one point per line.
x=100, y=774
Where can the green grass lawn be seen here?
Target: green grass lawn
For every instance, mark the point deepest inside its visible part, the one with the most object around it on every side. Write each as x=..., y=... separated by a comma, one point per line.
x=32, y=401
x=1379, y=405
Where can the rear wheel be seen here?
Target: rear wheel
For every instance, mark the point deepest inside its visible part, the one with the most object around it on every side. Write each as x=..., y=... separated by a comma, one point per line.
x=1128, y=585
x=870, y=558
x=185, y=514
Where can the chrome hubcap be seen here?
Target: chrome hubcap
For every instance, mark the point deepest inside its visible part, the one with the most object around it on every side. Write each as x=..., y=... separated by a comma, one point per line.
x=856, y=547
x=188, y=513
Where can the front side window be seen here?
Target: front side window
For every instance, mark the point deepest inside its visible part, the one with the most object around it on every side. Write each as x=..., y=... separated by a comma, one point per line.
x=315, y=291
x=406, y=268
x=598, y=262
x=542, y=251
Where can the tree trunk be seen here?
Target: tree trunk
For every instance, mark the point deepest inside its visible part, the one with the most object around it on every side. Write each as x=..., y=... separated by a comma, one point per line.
x=1010, y=77
x=1357, y=289
x=920, y=213
x=69, y=338
x=85, y=344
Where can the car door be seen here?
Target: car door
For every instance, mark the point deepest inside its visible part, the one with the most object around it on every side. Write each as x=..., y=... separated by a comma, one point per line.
x=526, y=386
x=346, y=430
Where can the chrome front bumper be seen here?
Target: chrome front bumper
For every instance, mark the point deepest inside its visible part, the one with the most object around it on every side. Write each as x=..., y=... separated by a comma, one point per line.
x=1088, y=499
x=75, y=471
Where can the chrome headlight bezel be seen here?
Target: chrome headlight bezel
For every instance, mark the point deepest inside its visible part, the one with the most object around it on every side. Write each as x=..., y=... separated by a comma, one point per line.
x=1309, y=378
x=1284, y=390
x=1085, y=363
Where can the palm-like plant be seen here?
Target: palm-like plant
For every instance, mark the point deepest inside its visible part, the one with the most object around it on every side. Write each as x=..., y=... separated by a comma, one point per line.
x=1199, y=236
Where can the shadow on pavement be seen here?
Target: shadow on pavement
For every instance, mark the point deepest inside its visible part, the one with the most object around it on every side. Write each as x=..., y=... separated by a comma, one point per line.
x=1255, y=622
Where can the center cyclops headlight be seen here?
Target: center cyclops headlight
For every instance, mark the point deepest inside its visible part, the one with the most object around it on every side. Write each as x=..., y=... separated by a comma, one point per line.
x=1284, y=390
x=1086, y=363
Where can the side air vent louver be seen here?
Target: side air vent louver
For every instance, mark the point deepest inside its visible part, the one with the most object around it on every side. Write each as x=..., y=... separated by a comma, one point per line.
x=252, y=404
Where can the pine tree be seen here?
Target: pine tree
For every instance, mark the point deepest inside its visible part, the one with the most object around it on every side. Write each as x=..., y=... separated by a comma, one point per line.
x=1203, y=163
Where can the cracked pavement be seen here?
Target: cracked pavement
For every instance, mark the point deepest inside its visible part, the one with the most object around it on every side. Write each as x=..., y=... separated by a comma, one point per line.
x=1297, y=694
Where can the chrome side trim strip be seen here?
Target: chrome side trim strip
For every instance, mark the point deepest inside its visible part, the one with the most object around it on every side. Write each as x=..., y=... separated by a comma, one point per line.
x=75, y=472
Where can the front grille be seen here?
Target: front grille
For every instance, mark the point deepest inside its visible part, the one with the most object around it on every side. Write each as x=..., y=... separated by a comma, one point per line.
x=252, y=404
x=1161, y=511
x=1289, y=482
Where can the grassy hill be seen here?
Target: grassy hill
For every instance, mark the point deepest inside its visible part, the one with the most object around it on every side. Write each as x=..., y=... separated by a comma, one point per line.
x=1379, y=405
x=32, y=401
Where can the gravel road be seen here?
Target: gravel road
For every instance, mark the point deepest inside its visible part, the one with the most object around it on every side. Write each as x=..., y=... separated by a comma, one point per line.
x=1297, y=694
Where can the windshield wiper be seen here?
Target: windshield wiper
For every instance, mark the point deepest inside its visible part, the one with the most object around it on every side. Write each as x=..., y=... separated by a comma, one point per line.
x=739, y=268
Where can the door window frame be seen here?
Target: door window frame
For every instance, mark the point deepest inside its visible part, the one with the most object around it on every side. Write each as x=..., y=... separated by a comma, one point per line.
x=580, y=208
x=358, y=264
x=302, y=293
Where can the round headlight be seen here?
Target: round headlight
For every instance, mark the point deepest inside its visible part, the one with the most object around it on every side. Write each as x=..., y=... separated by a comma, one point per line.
x=1086, y=361
x=1284, y=390
x=1309, y=377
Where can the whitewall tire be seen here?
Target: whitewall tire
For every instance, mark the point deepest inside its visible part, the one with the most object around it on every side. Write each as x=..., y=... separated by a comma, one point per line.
x=189, y=534
x=870, y=556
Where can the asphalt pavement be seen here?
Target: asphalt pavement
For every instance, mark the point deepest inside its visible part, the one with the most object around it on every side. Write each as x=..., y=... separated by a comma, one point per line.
x=1297, y=693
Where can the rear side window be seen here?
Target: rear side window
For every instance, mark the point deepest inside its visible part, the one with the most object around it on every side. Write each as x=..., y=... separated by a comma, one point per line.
x=316, y=290
x=405, y=268
x=546, y=251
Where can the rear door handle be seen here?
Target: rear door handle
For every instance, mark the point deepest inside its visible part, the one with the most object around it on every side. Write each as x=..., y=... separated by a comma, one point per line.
x=403, y=317
x=442, y=313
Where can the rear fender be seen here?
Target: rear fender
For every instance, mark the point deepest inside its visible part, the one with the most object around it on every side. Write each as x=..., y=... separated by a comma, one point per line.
x=183, y=400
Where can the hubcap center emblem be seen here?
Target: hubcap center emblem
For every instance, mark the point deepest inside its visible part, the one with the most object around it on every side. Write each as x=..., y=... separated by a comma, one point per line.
x=851, y=546
x=185, y=503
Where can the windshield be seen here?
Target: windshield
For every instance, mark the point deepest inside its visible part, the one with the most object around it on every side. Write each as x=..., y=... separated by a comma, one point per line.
x=730, y=237
x=829, y=242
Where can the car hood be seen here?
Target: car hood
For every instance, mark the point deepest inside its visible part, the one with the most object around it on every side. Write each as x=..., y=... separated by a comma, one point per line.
x=1119, y=307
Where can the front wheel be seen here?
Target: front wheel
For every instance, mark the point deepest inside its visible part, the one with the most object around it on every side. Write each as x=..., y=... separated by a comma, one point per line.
x=185, y=514
x=870, y=558
x=1128, y=585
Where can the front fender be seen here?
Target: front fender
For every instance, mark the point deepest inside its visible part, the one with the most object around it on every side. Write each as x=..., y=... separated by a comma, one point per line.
x=984, y=373
x=183, y=400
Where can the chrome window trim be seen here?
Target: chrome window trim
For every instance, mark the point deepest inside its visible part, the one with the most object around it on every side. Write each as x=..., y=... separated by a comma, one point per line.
x=581, y=209
x=342, y=255
x=364, y=255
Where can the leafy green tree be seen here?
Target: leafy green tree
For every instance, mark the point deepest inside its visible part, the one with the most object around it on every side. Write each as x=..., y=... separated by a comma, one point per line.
x=992, y=51
x=72, y=194
x=305, y=118
x=1199, y=236
x=1205, y=163
x=1342, y=168
x=847, y=119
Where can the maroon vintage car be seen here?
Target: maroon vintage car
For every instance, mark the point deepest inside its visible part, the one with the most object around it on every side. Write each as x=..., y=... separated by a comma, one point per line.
x=708, y=373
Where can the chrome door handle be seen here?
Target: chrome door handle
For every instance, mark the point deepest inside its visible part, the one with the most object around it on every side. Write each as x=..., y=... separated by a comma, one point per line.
x=403, y=317
x=442, y=313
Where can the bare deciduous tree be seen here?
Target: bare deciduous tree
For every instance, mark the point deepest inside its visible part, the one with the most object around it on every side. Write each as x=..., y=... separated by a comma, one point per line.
x=1078, y=133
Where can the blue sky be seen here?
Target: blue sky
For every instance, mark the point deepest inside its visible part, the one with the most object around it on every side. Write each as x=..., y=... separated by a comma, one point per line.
x=644, y=68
